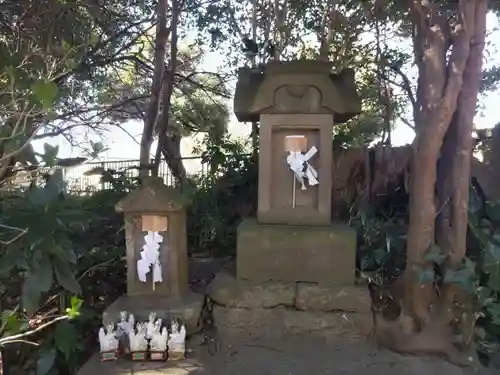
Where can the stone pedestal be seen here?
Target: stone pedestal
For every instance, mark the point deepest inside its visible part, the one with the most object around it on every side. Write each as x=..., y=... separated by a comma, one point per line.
x=277, y=308
x=297, y=104
x=186, y=307
x=296, y=253
x=155, y=207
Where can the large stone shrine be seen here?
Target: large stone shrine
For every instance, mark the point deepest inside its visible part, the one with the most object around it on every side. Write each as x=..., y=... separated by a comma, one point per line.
x=297, y=104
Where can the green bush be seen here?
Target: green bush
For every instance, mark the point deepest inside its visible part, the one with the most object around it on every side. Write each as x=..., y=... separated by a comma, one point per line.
x=382, y=257
x=55, y=246
x=222, y=198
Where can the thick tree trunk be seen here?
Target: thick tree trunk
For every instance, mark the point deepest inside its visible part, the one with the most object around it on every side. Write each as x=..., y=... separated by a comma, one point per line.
x=447, y=92
x=455, y=172
x=171, y=151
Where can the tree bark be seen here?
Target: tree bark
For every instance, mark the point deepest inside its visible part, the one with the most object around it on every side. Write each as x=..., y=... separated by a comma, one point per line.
x=439, y=85
x=455, y=167
x=168, y=87
x=162, y=33
x=448, y=56
x=171, y=151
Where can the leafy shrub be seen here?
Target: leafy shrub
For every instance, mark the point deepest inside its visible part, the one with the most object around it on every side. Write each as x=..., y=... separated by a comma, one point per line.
x=222, y=198
x=382, y=256
x=54, y=246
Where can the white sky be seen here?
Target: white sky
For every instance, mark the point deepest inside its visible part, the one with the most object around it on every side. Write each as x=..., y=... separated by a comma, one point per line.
x=123, y=147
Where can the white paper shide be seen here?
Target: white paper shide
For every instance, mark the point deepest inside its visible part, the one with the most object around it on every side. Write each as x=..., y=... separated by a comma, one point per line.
x=299, y=165
x=150, y=258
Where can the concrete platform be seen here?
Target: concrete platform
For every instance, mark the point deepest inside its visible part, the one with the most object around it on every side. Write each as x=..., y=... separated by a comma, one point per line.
x=187, y=308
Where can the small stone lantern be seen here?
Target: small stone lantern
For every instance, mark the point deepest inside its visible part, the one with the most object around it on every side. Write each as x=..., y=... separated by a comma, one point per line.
x=156, y=247
x=156, y=208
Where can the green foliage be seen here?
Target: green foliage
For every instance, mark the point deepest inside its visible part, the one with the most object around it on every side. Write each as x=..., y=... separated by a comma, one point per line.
x=382, y=256
x=222, y=197
x=56, y=246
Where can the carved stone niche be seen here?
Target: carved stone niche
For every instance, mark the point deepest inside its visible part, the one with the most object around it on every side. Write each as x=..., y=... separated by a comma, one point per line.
x=291, y=100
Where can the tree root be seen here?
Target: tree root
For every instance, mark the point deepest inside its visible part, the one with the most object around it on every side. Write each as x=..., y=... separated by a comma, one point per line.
x=431, y=341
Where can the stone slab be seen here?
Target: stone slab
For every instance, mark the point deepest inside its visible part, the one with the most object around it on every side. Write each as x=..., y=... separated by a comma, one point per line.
x=281, y=321
x=188, y=308
x=332, y=297
x=229, y=291
x=296, y=253
x=127, y=367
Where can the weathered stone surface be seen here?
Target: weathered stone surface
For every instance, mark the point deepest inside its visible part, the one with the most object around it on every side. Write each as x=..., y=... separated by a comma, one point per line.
x=299, y=86
x=337, y=324
x=332, y=297
x=152, y=197
x=127, y=367
x=187, y=307
x=281, y=321
x=229, y=291
x=288, y=355
x=296, y=253
x=276, y=195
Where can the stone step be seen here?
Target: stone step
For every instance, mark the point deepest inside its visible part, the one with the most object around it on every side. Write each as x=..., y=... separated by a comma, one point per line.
x=229, y=291
x=281, y=321
x=127, y=367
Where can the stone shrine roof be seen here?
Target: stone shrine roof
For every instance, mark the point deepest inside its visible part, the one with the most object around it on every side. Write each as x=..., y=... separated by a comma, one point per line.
x=152, y=197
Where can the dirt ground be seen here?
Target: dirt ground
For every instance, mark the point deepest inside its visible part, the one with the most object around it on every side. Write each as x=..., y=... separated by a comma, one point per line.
x=293, y=355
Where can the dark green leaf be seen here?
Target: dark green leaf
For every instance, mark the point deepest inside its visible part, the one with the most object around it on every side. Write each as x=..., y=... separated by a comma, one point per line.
x=45, y=362
x=65, y=276
x=50, y=154
x=463, y=276
x=55, y=184
x=43, y=275
x=38, y=196
x=31, y=294
x=493, y=210
x=8, y=261
x=70, y=162
x=66, y=338
x=379, y=255
x=435, y=255
x=425, y=276
x=491, y=264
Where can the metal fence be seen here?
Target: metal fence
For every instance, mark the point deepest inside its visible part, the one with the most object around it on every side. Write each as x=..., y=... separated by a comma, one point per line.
x=86, y=177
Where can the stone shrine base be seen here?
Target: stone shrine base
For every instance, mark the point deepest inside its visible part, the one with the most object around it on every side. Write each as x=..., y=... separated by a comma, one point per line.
x=274, y=309
x=188, y=308
x=307, y=253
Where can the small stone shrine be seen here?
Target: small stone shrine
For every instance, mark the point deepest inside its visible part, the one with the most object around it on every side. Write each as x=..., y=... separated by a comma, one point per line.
x=297, y=104
x=157, y=266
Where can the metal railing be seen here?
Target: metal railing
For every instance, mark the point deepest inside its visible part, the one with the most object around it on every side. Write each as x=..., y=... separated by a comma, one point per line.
x=87, y=176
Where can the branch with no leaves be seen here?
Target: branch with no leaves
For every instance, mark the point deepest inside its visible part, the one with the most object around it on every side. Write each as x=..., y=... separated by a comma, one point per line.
x=21, y=336
x=21, y=232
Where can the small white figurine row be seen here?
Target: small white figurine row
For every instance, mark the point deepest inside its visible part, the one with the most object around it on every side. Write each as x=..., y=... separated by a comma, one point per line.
x=139, y=335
